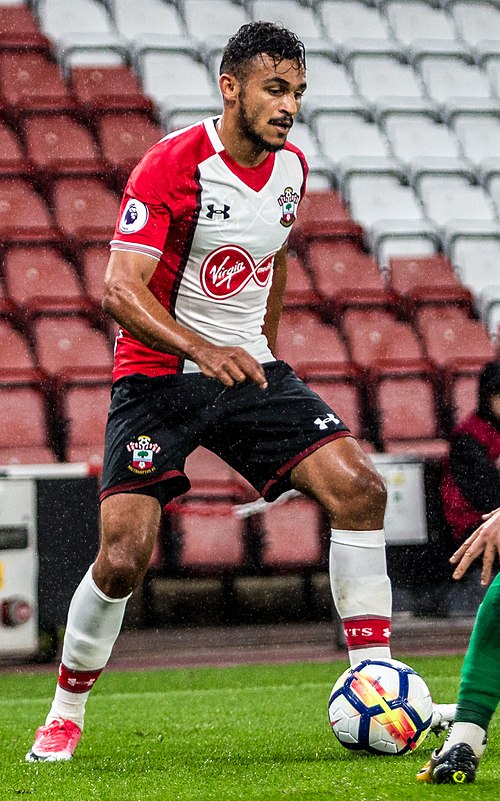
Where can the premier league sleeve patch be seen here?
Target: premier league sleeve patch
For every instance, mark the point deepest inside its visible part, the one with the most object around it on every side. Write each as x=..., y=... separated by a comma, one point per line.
x=135, y=216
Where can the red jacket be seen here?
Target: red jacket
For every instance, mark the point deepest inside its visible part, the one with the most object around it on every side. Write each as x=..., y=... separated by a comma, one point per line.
x=459, y=513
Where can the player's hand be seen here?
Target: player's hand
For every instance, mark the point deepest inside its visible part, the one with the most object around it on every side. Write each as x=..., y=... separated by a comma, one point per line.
x=230, y=365
x=484, y=540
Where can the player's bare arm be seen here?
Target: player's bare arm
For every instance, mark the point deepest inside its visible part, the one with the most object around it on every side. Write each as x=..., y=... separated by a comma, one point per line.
x=128, y=300
x=484, y=540
x=275, y=299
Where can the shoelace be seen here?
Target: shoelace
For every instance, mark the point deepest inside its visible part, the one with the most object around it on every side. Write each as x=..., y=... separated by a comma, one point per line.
x=56, y=735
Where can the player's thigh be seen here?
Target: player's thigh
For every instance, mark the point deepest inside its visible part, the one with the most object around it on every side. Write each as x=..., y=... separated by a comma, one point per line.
x=338, y=471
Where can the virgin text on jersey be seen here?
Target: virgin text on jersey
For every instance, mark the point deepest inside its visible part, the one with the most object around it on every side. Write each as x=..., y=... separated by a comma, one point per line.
x=227, y=270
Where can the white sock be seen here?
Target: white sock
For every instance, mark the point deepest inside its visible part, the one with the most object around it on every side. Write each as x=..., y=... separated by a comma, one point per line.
x=94, y=622
x=469, y=733
x=362, y=591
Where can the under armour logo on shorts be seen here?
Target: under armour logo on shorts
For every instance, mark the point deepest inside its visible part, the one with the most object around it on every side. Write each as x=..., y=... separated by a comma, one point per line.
x=322, y=422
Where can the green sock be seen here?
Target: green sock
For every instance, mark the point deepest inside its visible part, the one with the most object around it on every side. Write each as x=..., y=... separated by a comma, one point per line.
x=479, y=691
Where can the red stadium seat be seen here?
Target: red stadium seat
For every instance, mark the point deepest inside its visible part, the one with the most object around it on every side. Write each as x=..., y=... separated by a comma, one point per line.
x=94, y=262
x=211, y=476
x=451, y=344
x=292, y=534
x=57, y=144
x=453, y=312
x=40, y=279
x=85, y=209
x=24, y=216
x=299, y=292
x=408, y=414
x=323, y=214
x=17, y=362
x=100, y=89
x=310, y=346
x=12, y=158
x=85, y=410
x=344, y=276
x=18, y=30
x=69, y=345
x=124, y=138
x=23, y=421
x=32, y=82
x=212, y=537
x=344, y=396
x=377, y=341
x=463, y=395
x=424, y=280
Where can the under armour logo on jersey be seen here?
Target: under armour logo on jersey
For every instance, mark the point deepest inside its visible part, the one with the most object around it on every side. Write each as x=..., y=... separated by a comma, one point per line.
x=322, y=422
x=212, y=211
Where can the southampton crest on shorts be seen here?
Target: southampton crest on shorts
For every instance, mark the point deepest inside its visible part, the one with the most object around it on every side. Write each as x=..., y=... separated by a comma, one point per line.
x=143, y=451
x=288, y=201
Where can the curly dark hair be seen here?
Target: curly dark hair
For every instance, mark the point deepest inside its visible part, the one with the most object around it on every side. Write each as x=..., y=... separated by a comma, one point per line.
x=256, y=38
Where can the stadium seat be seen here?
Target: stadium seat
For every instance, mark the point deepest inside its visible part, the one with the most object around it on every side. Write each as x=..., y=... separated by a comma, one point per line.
x=477, y=262
x=378, y=198
x=323, y=214
x=451, y=344
x=414, y=136
x=57, y=144
x=32, y=82
x=449, y=198
x=180, y=111
x=309, y=346
x=212, y=537
x=17, y=362
x=93, y=264
x=210, y=476
x=412, y=22
x=479, y=135
x=452, y=79
x=84, y=408
x=69, y=345
x=299, y=291
x=23, y=213
x=489, y=304
x=391, y=238
x=345, y=20
x=476, y=23
x=40, y=279
x=292, y=534
x=24, y=421
x=19, y=31
x=160, y=63
x=124, y=138
x=345, y=396
x=379, y=77
x=12, y=158
x=427, y=279
x=408, y=414
x=346, y=276
x=462, y=395
x=134, y=19
x=328, y=86
x=289, y=13
x=85, y=210
x=349, y=135
x=101, y=89
x=377, y=342
x=217, y=18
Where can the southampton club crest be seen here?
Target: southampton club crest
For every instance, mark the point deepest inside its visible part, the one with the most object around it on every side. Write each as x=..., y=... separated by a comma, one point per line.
x=143, y=451
x=288, y=201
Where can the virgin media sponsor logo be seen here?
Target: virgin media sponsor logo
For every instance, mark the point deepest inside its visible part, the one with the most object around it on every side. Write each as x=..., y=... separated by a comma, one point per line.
x=227, y=270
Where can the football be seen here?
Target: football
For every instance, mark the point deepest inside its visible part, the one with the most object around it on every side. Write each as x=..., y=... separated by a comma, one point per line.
x=381, y=706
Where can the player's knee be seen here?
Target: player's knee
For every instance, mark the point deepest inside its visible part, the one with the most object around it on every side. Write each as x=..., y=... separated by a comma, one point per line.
x=368, y=497
x=121, y=566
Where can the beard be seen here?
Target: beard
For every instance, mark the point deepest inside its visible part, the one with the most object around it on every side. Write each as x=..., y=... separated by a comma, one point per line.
x=248, y=130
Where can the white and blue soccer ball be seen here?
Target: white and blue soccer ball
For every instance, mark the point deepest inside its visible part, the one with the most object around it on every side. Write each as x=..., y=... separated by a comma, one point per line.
x=381, y=706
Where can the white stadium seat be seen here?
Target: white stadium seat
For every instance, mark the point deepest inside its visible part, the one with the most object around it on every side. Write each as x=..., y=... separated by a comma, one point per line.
x=446, y=77
x=377, y=198
x=290, y=13
x=479, y=135
x=449, y=198
x=415, y=135
x=418, y=20
x=60, y=17
x=489, y=304
x=134, y=18
x=345, y=135
x=477, y=262
x=493, y=186
x=378, y=77
x=161, y=68
x=351, y=19
x=213, y=18
x=477, y=21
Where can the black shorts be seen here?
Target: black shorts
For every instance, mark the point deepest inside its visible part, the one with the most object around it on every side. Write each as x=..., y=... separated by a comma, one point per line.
x=155, y=423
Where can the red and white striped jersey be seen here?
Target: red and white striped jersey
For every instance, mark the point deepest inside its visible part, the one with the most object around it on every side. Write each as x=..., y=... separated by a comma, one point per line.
x=215, y=228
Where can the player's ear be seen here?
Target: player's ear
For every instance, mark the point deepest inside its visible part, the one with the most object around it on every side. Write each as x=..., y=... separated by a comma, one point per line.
x=229, y=86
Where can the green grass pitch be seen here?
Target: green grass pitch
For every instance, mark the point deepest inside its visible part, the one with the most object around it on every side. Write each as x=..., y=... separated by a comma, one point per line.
x=258, y=733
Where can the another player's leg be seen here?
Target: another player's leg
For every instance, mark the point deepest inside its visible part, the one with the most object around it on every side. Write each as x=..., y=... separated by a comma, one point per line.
x=344, y=481
x=129, y=523
x=478, y=696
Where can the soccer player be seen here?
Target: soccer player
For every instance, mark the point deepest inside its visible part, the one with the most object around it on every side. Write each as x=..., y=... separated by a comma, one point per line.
x=457, y=760
x=195, y=280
